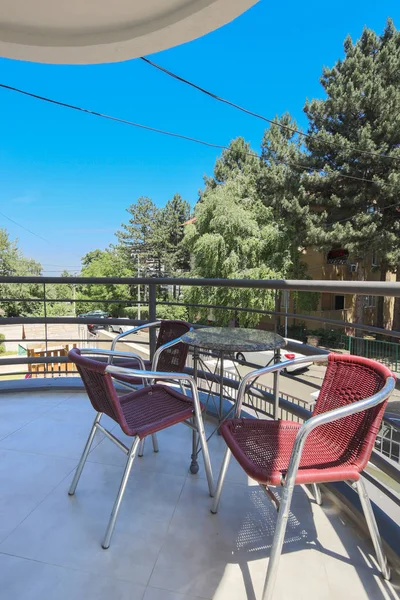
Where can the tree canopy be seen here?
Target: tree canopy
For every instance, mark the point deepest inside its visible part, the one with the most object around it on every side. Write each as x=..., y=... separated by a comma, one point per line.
x=13, y=262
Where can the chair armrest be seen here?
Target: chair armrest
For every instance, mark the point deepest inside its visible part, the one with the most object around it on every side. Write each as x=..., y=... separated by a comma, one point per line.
x=133, y=330
x=329, y=417
x=252, y=376
x=114, y=354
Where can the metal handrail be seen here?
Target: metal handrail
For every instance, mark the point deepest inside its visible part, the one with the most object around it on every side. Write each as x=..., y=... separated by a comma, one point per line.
x=132, y=331
x=375, y=288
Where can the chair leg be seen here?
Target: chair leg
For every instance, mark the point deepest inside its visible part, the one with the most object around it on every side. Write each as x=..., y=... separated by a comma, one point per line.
x=276, y=550
x=373, y=528
x=317, y=493
x=85, y=454
x=155, y=442
x=206, y=456
x=120, y=495
x=141, y=448
x=221, y=479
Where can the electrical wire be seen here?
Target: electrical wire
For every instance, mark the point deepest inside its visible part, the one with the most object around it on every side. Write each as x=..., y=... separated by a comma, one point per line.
x=26, y=229
x=62, y=266
x=161, y=131
x=109, y=117
x=252, y=113
x=377, y=212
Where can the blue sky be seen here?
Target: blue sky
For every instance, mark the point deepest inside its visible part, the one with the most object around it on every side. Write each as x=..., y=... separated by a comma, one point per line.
x=69, y=177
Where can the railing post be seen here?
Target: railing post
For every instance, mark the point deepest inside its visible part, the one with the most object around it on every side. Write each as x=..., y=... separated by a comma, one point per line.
x=152, y=317
x=277, y=309
x=45, y=326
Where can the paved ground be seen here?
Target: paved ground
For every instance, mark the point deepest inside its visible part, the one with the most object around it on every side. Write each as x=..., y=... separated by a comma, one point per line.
x=167, y=545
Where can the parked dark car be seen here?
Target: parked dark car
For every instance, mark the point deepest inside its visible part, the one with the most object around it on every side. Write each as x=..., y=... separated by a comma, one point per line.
x=98, y=314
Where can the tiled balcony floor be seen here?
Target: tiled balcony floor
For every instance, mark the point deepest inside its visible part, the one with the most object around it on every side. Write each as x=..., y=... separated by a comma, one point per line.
x=167, y=545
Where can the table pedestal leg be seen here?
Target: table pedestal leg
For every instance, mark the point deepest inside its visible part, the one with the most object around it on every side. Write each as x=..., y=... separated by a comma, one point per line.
x=221, y=389
x=194, y=465
x=277, y=357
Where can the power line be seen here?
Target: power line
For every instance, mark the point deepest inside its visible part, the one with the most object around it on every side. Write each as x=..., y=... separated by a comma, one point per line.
x=252, y=113
x=110, y=118
x=26, y=229
x=376, y=212
x=62, y=266
x=163, y=132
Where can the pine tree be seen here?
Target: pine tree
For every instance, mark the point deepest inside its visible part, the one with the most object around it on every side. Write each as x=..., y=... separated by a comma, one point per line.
x=357, y=121
x=279, y=183
x=136, y=237
x=169, y=232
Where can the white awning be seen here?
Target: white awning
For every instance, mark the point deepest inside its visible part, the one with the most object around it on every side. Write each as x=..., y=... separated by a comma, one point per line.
x=97, y=31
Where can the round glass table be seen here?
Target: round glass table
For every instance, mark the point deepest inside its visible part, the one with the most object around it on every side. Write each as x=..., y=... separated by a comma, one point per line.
x=224, y=342
x=230, y=339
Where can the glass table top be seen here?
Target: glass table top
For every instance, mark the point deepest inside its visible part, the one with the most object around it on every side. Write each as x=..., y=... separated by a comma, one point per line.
x=230, y=339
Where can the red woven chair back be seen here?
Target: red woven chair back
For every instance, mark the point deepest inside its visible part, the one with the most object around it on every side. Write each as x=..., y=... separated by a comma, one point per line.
x=172, y=359
x=349, y=379
x=98, y=384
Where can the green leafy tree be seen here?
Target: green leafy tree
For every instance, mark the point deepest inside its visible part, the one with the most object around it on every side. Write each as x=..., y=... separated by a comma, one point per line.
x=60, y=291
x=234, y=236
x=105, y=263
x=357, y=121
x=14, y=263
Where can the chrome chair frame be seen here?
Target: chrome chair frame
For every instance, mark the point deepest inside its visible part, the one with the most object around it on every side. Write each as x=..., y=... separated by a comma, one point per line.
x=196, y=424
x=288, y=482
x=133, y=330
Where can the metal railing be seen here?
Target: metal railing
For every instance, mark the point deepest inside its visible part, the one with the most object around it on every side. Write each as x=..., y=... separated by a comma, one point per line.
x=386, y=352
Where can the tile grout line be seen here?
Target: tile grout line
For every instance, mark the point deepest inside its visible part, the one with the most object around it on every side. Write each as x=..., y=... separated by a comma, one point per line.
x=29, y=422
x=37, y=506
x=69, y=568
x=166, y=533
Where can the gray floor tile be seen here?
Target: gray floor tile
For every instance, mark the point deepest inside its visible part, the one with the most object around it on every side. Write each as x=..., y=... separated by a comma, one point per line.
x=23, y=579
x=68, y=531
x=57, y=433
x=354, y=582
x=202, y=548
x=16, y=410
x=25, y=480
x=158, y=594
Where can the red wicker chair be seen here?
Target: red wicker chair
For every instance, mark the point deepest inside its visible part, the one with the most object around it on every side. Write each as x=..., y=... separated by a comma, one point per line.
x=335, y=444
x=171, y=358
x=139, y=413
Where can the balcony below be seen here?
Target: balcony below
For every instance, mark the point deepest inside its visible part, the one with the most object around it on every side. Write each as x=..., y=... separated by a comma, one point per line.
x=167, y=545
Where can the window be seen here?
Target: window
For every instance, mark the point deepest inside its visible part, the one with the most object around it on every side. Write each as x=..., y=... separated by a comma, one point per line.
x=339, y=302
x=370, y=301
x=374, y=258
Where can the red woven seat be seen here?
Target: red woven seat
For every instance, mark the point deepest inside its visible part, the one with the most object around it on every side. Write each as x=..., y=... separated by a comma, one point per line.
x=153, y=408
x=263, y=449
